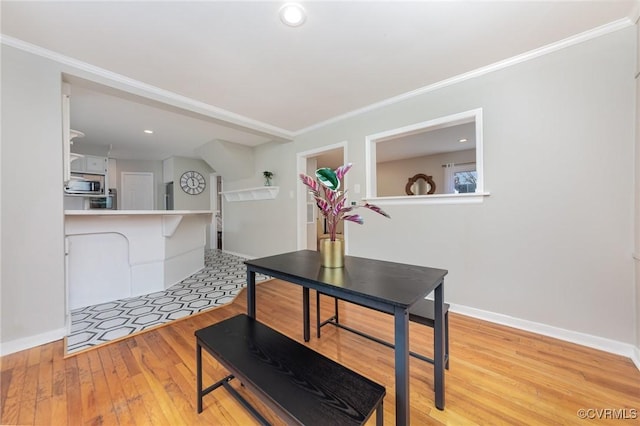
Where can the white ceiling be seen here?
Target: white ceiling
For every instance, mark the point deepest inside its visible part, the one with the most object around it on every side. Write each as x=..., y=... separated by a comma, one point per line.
x=239, y=60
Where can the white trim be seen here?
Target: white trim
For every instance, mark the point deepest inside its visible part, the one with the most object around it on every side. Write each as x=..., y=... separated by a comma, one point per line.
x=475, y=197
x=371, y=162
x=246, y=256
x=532, y=54
x=636, y=357
x=595, y=342
x=245, y=123
x=23, y=343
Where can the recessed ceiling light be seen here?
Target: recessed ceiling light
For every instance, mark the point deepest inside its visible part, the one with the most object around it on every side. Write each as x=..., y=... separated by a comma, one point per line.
x=462, y=140
x=292, y=14
x=148, y=131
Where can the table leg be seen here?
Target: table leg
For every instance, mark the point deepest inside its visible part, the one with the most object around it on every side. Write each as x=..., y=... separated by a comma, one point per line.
x=305, y=307
x=439, y=350
x=251, y=293
x=199, y=376
x=401, y=331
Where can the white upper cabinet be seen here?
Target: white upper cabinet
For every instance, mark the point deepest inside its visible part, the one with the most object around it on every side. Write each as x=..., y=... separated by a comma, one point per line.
x=95, y=164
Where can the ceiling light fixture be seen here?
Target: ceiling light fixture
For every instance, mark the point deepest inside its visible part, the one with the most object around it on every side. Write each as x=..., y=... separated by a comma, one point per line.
x=148, y=131
x=292, y=14
x=462, y=140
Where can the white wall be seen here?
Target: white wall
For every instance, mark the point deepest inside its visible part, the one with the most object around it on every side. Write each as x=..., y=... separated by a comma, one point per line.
x=32, y=263
x=553, y=242
x=182, y=200
x=260, y=228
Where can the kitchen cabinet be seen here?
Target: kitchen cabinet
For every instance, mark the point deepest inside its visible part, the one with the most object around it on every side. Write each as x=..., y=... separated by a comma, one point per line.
x=90, y=164
x=95, y=164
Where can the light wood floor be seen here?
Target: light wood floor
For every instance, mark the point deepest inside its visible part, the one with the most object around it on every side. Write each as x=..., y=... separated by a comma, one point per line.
x=498, y=375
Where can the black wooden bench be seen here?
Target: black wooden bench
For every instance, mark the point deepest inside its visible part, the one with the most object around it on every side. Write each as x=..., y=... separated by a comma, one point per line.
x=422, y=312
x=302, y=386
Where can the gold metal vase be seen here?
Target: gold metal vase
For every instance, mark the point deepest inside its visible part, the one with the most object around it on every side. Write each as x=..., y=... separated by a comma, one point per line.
x=332, y=253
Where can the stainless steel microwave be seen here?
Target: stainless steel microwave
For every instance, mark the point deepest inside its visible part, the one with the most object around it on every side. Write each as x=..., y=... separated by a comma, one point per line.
x=85, y=184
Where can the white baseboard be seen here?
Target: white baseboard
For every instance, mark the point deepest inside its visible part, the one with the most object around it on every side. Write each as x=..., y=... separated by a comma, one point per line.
x=636, y=357
x=246, y=256
x=595, y=342
x=23, y=343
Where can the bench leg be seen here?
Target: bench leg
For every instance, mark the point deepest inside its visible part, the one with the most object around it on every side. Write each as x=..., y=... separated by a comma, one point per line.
x=250, y=408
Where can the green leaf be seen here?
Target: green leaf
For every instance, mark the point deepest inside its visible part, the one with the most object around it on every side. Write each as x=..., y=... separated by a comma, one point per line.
x=328, y=178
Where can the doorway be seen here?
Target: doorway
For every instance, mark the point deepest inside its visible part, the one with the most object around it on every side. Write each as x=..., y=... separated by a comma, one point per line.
x=137, y=191
x=215, y=195
x=310, y=223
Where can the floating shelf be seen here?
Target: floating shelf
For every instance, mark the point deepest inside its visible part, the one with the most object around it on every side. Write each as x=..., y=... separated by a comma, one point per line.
x=252, y=194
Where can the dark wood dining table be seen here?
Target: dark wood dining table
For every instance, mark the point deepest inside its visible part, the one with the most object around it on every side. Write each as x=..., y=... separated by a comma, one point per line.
x=384, y=286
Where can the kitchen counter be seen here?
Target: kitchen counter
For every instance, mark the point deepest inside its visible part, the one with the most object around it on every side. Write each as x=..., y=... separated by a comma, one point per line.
x=115, y=254
x=108, y=212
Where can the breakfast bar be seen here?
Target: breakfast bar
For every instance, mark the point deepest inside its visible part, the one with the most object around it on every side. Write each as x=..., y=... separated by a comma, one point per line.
x=114, y=254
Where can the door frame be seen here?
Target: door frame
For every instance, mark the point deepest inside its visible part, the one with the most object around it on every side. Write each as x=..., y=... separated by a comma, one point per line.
x=213, y=206
x=301, y=204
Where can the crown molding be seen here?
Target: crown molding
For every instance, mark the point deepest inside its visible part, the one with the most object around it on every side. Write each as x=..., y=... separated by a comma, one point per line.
x=532, y=54
x=125, y=83
x=280, y=134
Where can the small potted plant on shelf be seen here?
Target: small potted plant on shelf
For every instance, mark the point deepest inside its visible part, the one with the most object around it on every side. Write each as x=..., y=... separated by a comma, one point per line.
x=333, y=206
x=267, y=177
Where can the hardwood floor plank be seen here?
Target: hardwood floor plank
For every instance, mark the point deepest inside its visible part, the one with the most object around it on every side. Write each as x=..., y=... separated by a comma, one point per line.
x=114, y=389
x=45, y=375
x=59, y=414
x=9, y=411
x=498, y=375
x=43, y=412
x=28, y=397
x=88, y=395
x=5, y=383
x=74, y=398
x=17, y=366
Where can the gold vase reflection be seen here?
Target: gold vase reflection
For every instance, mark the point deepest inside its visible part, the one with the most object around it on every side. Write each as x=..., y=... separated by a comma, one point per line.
x=332, y=253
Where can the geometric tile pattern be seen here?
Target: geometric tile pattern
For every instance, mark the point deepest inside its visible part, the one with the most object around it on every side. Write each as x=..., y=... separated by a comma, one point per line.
x=222, y=278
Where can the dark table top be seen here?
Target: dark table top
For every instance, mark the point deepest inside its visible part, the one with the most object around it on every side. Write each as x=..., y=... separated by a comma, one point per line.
x=392, y=283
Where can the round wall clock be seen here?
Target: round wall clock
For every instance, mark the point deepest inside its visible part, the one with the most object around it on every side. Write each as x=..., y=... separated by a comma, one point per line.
x=192, y=182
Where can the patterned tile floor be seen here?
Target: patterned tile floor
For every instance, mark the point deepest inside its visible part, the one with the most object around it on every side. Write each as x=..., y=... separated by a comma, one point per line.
x=222, y=278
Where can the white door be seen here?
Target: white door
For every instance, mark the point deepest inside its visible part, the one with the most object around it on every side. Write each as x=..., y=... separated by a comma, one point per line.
x=137, y=191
